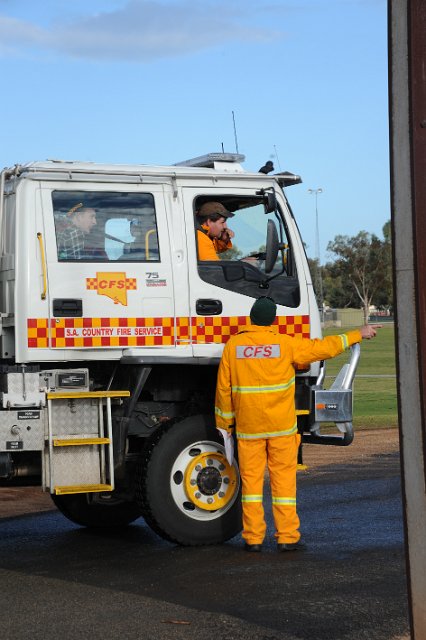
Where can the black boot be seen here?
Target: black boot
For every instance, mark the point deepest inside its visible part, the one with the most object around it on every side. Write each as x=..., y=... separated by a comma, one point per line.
x=291, y=546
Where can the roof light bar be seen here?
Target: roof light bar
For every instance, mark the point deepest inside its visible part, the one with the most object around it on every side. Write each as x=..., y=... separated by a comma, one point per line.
x=209, y=159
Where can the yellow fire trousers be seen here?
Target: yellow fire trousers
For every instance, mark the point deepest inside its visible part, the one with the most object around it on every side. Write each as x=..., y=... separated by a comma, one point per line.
x=280, y=454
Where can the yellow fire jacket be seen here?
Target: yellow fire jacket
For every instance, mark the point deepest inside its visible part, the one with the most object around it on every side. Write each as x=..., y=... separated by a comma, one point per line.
x=256, y=379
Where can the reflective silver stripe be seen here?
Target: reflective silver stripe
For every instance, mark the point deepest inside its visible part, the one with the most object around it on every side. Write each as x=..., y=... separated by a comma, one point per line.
x=266, y=434
x=251, y=498
x=224, y=414
x=291, y=501
x=259, y=351
x=272, y=388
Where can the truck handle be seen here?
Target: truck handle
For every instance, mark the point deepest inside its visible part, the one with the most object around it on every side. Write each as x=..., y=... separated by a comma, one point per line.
x=336, y=400
x=147, y=239
x=345, y=378
x=351, y=367
x=43, y=265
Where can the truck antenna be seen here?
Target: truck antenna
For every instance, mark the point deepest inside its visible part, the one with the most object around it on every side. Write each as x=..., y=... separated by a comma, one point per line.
x=235, y=133
x=277, y=158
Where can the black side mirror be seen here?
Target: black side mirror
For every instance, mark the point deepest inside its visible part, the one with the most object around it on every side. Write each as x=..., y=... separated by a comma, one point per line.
x=272, y=246
x=269, y=200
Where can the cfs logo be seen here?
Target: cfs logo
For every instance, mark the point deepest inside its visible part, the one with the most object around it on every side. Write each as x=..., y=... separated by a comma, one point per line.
x=114, y=285
x=258, y=351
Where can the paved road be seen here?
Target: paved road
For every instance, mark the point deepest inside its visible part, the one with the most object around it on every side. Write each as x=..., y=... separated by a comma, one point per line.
x=61, y=581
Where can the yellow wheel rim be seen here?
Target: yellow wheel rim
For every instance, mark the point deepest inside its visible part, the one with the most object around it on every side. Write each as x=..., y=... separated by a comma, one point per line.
x=210, y=481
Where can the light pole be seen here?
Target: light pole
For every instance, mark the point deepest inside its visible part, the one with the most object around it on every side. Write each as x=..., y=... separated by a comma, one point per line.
x=315, y=192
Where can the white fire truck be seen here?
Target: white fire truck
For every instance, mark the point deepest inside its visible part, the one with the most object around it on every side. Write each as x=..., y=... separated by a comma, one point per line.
x=110, y=345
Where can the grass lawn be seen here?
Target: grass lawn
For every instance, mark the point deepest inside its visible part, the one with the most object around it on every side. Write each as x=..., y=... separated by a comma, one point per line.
x=375, y=402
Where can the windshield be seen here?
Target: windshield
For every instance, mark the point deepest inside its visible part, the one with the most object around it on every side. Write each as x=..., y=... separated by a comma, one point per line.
x=232, y=252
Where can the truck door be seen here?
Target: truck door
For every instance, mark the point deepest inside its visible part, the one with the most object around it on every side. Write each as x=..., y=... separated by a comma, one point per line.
x=222, y=292
x=109, y=274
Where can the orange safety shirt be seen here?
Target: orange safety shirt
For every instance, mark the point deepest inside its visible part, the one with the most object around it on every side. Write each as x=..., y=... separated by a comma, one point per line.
x=256, y=379
x=208, y=248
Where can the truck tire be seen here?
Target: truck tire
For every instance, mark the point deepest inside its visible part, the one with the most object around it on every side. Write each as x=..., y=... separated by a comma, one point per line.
x=187, y=491
x=96, y=510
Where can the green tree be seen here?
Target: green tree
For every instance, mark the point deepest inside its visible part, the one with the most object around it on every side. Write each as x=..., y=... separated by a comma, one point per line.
x=318, y=275
x=231, y=254
x=338, y=292
x=361, y=272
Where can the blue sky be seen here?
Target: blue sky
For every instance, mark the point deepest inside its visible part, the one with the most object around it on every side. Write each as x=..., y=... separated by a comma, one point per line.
x=147, y=81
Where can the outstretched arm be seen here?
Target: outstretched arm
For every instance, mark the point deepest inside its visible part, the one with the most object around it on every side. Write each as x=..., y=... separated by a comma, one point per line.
x=306, y=351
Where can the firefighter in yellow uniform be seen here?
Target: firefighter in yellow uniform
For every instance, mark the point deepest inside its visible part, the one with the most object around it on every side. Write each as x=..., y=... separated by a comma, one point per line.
x=255, y=391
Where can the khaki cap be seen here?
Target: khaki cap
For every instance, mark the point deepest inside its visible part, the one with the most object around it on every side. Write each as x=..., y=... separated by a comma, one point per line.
x=214, y=208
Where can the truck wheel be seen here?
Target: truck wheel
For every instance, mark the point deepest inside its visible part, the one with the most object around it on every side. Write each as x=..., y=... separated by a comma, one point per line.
x=97, y=510
x=186, y=489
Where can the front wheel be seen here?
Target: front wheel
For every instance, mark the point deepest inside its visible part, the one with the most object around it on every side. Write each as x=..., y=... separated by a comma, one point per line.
x=97, y=510
x=187, y=491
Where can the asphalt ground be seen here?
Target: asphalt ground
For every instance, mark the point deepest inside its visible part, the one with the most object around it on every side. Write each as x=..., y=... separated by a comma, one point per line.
x=61, y=580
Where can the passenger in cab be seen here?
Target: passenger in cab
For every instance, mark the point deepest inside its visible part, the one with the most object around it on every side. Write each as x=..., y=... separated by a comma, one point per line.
x=72, y=238
x=213, y=235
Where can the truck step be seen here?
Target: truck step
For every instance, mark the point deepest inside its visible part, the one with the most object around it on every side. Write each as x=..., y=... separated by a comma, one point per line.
x=79, y=448
x=83, y=488
x=78, y=442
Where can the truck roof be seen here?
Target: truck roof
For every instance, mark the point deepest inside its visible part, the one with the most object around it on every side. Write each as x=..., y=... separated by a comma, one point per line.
x=209, y=164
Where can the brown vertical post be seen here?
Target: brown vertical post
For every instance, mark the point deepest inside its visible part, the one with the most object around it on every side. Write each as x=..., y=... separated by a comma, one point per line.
x=407, y=74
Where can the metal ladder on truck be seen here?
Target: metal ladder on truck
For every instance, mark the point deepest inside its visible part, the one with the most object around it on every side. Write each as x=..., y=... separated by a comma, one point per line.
x=78, y=456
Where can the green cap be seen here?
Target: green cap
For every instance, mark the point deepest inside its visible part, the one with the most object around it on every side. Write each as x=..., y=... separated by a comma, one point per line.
x=263, y=312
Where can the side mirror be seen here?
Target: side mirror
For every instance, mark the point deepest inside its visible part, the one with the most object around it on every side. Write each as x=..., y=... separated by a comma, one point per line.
x=272, y=246
x=270, y=201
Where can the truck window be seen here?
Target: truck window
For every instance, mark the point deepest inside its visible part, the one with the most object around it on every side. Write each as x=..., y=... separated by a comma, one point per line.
x=241, y=268
x=9, y=225
x=105, y=226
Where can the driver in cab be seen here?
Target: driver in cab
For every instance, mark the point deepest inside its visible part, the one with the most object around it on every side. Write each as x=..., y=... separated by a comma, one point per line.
x=213, y=234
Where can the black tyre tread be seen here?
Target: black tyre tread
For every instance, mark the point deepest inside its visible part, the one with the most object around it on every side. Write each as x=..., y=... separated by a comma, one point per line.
x=141, y=483
x=97, y=516
x=142, y=493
